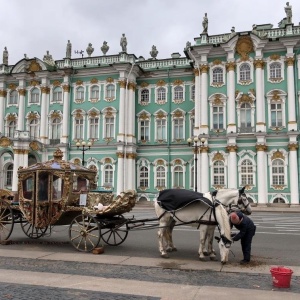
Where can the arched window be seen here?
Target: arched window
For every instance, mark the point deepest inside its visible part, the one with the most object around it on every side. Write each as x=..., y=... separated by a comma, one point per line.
x=278, y=172
x=275, y=70
x=145, y=96
x=145, y=130
x=108, y=175
x=217, y=75
x=218, y=173
x=79, y=128
x=144, y=177
x=13, y=97
x=245, y=72
x=161, y=94
x=160, y=176
x=110, y=91
x=245, y=113
x=178, y=128
x=55, y=129
x=178, y=177
x=9, y=175
x=94, y=127
x=218, y=117
x=35, y=96
x=247, y=172
x=95, y=92
x=80, y=93
x=161, y=129
x=278, y=200
x=276, y=114
x=34, y=129
x=178, y=93
x=109, y=126
x=57, y=94
x=11, y=129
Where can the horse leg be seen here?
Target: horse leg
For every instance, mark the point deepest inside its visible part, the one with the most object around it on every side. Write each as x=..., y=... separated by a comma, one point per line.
x=203, y=236
x=210, y=239
x=169, y=237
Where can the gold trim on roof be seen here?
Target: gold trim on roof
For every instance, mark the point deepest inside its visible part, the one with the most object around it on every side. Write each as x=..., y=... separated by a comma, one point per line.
x=244, y=47
x=34, y=66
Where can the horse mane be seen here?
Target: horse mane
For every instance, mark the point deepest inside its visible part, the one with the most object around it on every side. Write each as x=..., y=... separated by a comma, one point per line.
x=223, y=220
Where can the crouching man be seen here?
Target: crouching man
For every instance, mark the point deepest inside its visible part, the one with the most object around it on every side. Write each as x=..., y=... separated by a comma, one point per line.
x=246, y=232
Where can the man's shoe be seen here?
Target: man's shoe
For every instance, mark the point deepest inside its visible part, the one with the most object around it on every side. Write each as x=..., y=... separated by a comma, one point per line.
x=244, y=262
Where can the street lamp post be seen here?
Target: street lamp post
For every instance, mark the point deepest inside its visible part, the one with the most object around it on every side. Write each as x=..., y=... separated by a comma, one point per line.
x=196, y=145
x=83, y=147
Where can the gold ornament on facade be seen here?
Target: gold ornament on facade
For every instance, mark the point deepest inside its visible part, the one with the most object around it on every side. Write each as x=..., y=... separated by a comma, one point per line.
x=21, y=151
x=293, y=146
x=34, y=146
x=278, y=187
x=252, y=91
x=290, y=61
x=196, y=72
x=236, y=93
x=77, y=161
x=45, y=90
x=109, y=80
x=274, y=57
x=217, y=62
x=144, y=84
x=160, y=83
x=93, y=114
x=178, y=82
x=122, y=84
x=244, y=47
x=275, y=95
x=178, y=162
x=217, y=100
x=204, y=149
x=12, y=86
x=79, y=82
x=259, y=64
x=107, y=160
x=11, y=117
x=160, y=115
x=218, y=186
x=22, y=92
x=120, y=154
x=246, y=99
x=144, y=116
x=34, y=83
x=66, y=88
x=131, y=86
x=218, y=156
x=56, y=83
x=178, y=114
x=277, y=155
x=55, y=115
x=34, y=66
x=78, y=113
x=160, y=162
x=3, y=93
x=204, y=69
x=94, y=81
x=109, y=112
x=131, y=155
x=230, y=66
x=5, y=142
x=232, y=148
x=261, y=147
x=32, y=116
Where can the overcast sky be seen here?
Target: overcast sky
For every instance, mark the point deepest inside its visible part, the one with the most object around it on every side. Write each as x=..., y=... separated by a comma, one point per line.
x=34, y=26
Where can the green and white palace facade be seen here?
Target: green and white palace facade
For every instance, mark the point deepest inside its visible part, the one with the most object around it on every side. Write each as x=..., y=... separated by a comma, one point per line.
x=235, y=95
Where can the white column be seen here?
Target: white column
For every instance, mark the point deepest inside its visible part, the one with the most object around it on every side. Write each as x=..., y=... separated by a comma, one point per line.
x=121, y=115
x=294, y=177
x=21, y=110
x=261, y=173
x=130, y=115
x=44, y=114
x=66, y=113
x=231, y=125
x=232, y=167
x=20, y=160
x=2, y=109
x=204, y=170
x=204, y=97
x=120, y=173
x=260, y=106
x=196, y=131
x=292, y=124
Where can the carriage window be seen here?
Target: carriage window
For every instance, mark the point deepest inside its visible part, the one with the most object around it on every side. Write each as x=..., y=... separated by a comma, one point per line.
x=28, y=188
x=57, y=190
x=43, y=187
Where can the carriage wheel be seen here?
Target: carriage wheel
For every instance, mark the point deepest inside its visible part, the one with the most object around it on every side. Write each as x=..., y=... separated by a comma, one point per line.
x=114, y=231
x=6, y=221
x=84, y=233
x=32, y=231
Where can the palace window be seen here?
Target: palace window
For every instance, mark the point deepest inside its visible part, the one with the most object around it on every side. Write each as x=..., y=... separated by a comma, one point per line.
x=161, y=129
x=144, y=130
x=192, y=180
x=110, y=91
x=34, y=129
x=144, y=177
x=276, y=114
x=161, y=94
x=160, y=176
x=94, y=127
x=178, y=177
x=95, y=92
x=217, y=74
x=9, y=175
x=275, y=70
x=178, y=93
x=246, y=172
x=57, y=94
x=218, y=173
x=78, y=128
x=13, y=97
x=11, y=128
x=55, y=127
x=193, y=93
x=35, y=96
x=145, y=98
x=245, y=115
x=218, y=117
x=108, y=176
x=178, y=128
x=245, y=74
x=80, y=94
x=278, y=174
x=109, y=125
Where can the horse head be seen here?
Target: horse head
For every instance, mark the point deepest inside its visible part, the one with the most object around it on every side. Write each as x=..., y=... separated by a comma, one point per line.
x=243, y=202
x=224, y=245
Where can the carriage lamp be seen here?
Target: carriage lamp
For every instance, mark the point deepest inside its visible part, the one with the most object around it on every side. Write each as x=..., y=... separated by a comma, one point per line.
x=83, y=146
x=196, y=145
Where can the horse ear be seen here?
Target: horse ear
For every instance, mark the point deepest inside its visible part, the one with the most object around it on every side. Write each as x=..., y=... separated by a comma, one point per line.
x=242, y=190
x=214, y=193
x=217, y=239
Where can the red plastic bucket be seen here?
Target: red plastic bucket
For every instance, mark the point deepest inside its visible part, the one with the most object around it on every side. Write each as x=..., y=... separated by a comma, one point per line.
x=281, y=277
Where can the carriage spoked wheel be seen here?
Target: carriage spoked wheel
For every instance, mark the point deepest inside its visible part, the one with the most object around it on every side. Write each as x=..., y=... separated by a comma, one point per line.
x=31, y=231
x=6, y=220
x=84, y=233
x=114, y=230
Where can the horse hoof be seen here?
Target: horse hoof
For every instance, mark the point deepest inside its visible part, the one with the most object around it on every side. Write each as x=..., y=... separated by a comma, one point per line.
x=165, y=255
x=169, y=249
x=205, y=253
x=174, y=249
x=213, y=258
x=201, y=258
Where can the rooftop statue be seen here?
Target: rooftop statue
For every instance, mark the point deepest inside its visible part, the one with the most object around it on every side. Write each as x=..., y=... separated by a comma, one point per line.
x=123, y=43
x=69, y=49
x=5, y=56
x=104, y=48
x=205, y=23
x=89, y=49
x=153, y=52
x=289, y=13
x=48, y=59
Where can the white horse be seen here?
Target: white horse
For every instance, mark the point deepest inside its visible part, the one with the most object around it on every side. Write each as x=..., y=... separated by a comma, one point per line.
x=231, y=199
x=196, y=212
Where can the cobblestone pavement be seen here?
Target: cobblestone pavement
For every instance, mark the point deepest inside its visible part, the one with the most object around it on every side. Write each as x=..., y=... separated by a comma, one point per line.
x=150, y=274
